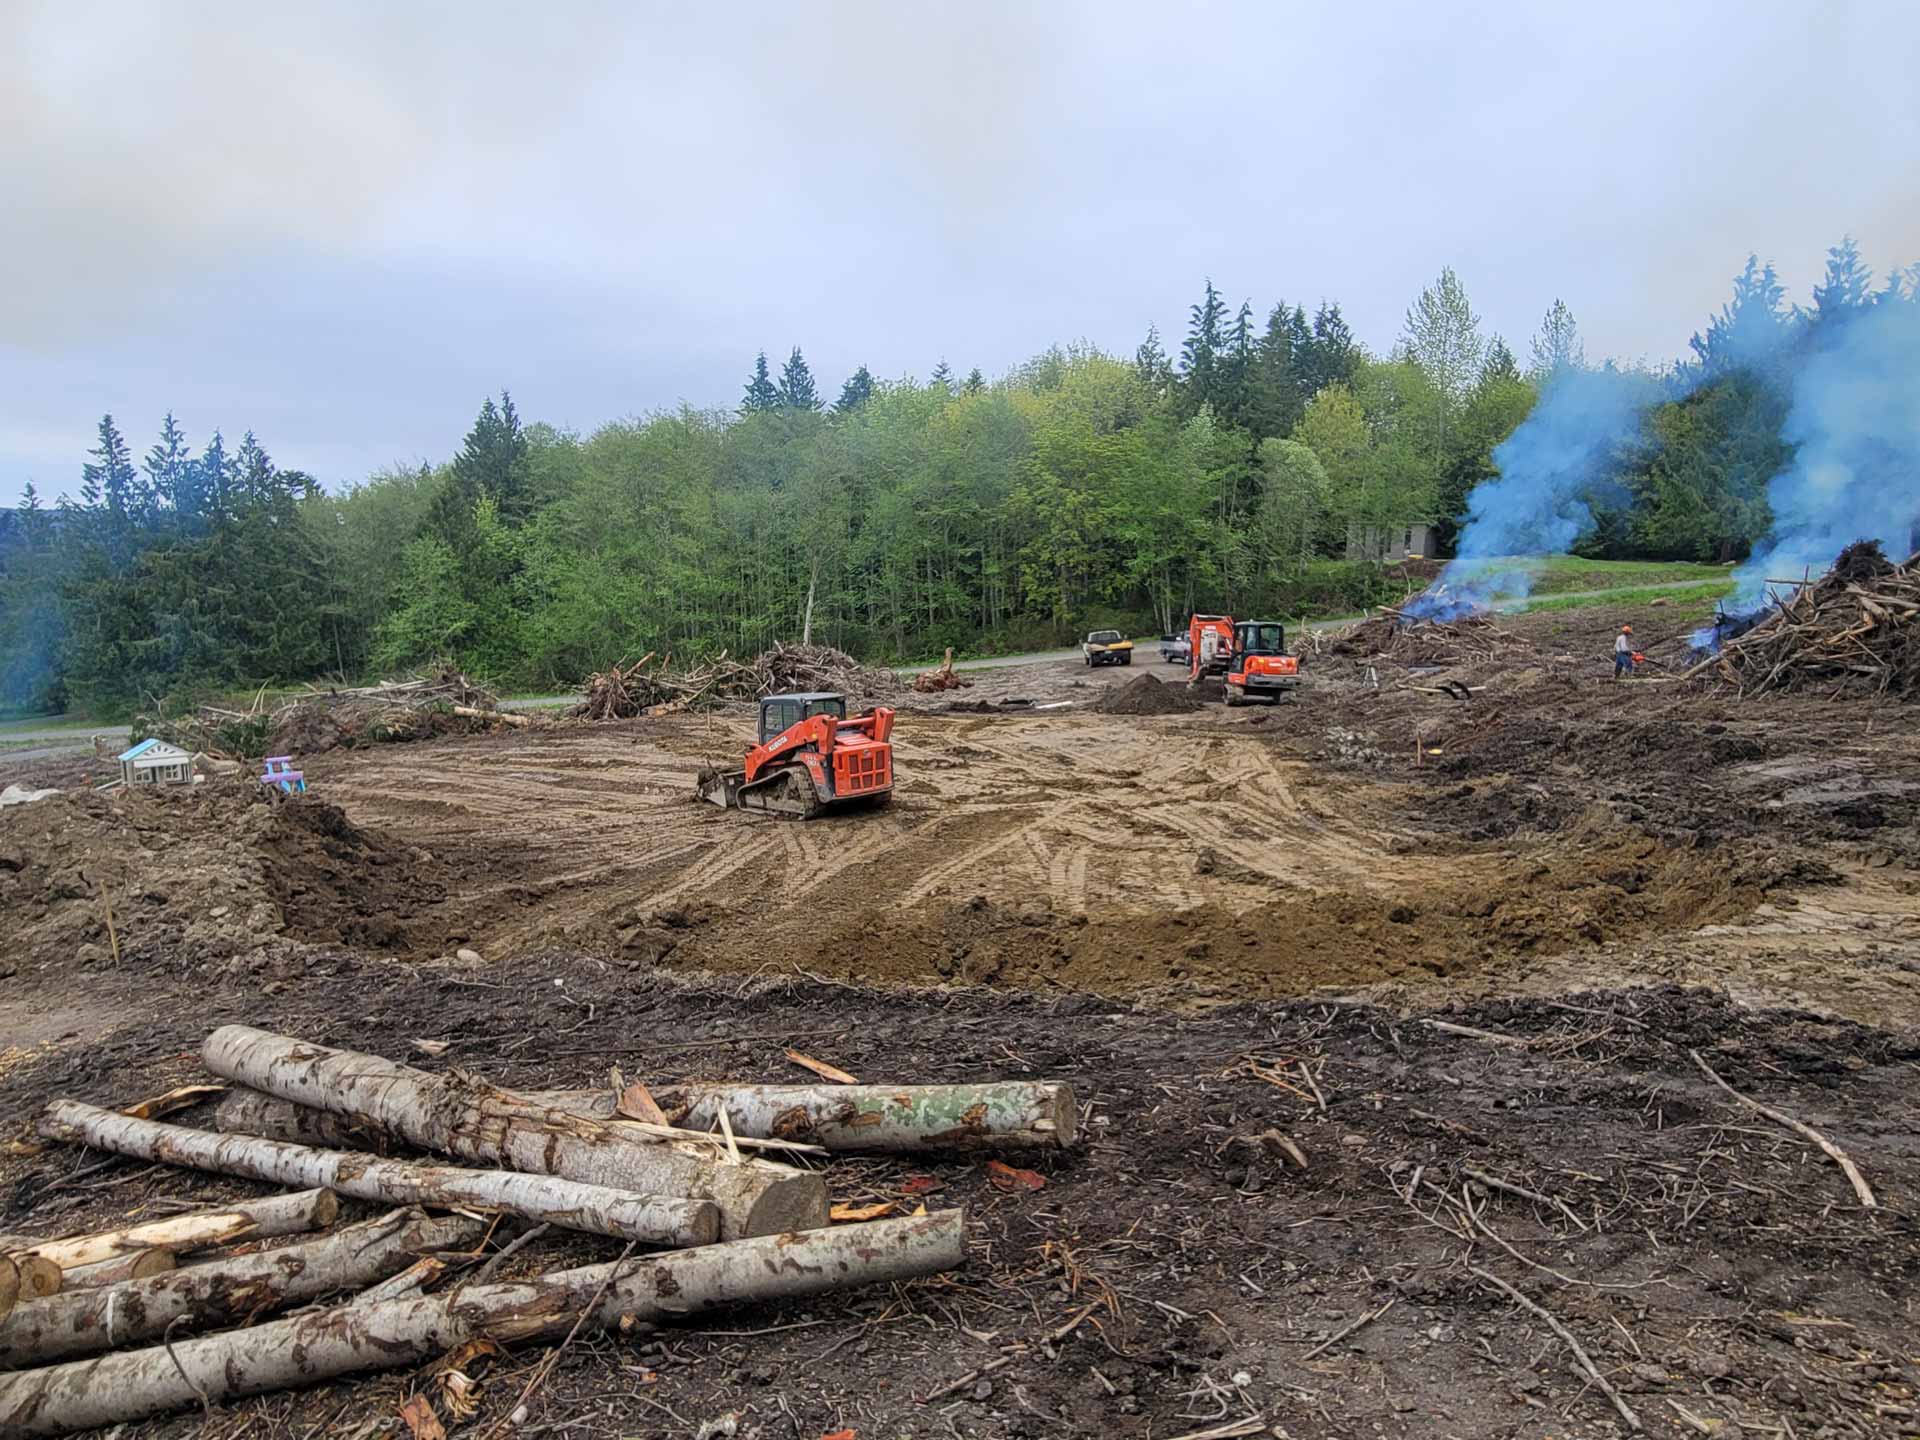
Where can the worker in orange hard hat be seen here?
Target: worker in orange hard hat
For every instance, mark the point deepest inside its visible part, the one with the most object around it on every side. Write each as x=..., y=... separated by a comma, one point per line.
x=1623, y=652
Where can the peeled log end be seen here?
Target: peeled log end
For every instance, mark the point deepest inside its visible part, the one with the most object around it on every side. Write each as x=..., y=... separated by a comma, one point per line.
x=1064, y=1112
x=797, y=1202
x=39, y=1277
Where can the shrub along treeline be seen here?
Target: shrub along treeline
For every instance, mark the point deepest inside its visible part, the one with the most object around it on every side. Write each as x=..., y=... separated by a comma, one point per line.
x=1081, y=488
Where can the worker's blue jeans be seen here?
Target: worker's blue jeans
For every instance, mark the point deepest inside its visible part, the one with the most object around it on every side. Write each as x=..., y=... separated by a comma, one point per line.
x=1622, y=665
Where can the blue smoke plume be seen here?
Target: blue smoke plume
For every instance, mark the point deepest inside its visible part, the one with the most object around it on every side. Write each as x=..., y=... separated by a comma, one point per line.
x=1537, y=504
x=1854, y=420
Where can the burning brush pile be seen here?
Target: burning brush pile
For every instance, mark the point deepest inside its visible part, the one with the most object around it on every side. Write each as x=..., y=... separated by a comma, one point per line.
x=1854, y=629
x=440, y=702
x=623, y=692
x=1396, y=635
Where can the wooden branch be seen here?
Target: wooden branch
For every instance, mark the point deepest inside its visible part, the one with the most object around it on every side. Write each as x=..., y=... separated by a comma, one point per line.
x=308, y=1349
x=592, y=1208
x=462, y=1115
x=1805, y=1132
x=1566, y=1335
x=228, y=1291
x=201, y=1230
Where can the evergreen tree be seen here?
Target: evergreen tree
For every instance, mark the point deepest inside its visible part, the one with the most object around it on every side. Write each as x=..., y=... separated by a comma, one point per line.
x=1751, y=328
x=857, y=390
x=1499, y=363
x=762, y=393
x=1236, y=368
x=975, y=382
x=212, y=481
x=109, y=477
x=1331, y=355
x=1150, y=363
x=35, y=524
x=797, y=390
x=1845, y=287
x=167, y=465
x=1200, y=353
x=1557, y=348
x=1275, y=400
x=942, y=378
x=254, y=468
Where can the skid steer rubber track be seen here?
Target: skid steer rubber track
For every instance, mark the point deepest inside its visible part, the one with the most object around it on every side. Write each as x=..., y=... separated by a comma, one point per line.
x=788, y=792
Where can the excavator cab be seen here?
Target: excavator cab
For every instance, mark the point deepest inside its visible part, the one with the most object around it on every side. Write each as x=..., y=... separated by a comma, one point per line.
x=810, y=758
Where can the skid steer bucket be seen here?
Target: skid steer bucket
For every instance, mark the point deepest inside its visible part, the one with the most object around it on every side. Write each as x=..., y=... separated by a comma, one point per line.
x=722, y=787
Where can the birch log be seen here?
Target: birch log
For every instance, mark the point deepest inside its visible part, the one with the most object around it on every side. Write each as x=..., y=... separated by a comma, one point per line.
x=592, y=1208
x=134, y=1265
x=462, y=1115
x=116, y=1389
x=248, y=1112
x=873, y=1119
x=201, y=1230
x=223, y=1292
x=1007, y=1115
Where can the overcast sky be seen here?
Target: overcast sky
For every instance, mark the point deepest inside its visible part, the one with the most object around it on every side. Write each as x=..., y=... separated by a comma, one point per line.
x=342, y=224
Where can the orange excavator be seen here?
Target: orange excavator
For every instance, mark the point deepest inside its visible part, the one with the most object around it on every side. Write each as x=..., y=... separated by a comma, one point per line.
x=811, y=758
x=1249, y=656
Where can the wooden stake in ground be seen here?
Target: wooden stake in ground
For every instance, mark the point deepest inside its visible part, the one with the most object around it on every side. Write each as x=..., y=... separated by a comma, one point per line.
x=592, y=1208
x=201, y=1230
x=224, y=1291
x=1805, y=1132
x=462, y=1115
x=116, y=1389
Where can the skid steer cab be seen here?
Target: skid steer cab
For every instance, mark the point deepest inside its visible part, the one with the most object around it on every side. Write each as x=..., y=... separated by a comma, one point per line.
x=1260, y=668
x=811, y=759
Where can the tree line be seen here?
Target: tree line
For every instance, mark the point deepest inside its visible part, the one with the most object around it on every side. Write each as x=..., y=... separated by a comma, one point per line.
x=1255, y=470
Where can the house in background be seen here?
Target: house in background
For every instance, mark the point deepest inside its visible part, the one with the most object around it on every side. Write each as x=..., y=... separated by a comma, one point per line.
x=1389, y=544
x=155, y=762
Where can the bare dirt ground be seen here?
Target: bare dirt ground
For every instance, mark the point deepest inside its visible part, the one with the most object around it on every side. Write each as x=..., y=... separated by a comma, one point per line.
x=1217, y=924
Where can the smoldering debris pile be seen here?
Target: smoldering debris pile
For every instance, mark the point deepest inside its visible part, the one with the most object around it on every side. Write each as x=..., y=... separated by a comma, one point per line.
x=695, y=1173
x=1856, y=629
x=441, y=702
x=647, y=688
x=1392, y=635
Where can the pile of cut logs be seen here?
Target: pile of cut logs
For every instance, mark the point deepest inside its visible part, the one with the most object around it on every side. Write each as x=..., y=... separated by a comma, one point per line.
x=685, y=1172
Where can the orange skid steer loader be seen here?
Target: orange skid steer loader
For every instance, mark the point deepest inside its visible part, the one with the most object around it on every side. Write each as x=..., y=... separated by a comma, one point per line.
x=811, y=758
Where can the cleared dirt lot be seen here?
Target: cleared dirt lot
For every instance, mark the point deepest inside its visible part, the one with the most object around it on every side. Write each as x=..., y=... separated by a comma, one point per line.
x=1200, y=919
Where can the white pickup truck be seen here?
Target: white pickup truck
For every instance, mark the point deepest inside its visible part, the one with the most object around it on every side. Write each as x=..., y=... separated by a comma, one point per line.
x=1107, y=647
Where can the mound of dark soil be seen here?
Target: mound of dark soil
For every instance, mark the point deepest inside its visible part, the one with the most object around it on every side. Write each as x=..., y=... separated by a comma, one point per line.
x=1144, y=695
x=204, y=872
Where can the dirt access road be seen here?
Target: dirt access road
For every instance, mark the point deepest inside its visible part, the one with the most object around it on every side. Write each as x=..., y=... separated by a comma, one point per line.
x=1225, y=929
